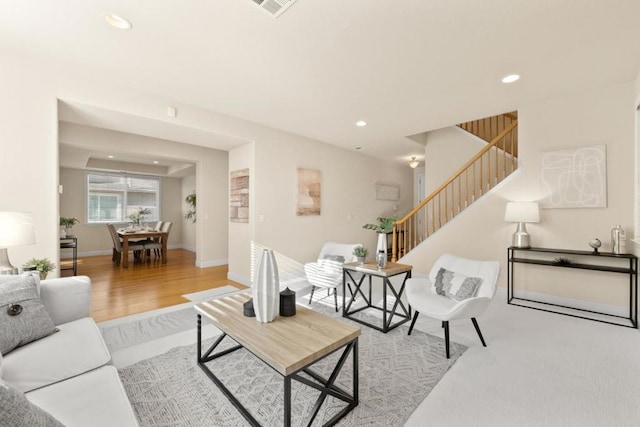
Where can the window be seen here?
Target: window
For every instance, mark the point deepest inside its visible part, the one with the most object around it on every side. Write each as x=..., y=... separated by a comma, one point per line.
x=112, y=197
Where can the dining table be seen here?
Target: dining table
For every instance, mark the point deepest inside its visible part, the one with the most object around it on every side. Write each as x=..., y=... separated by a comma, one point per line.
x=127, y=234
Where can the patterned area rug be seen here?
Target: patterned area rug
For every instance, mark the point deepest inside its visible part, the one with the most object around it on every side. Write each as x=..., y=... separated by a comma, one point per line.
x=396, y=373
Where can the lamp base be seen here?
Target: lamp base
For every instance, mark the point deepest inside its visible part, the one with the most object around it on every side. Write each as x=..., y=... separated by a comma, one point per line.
x=5, y=264
x=521, y=237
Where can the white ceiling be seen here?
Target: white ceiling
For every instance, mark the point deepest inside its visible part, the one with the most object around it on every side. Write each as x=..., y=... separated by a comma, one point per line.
x=404, y=66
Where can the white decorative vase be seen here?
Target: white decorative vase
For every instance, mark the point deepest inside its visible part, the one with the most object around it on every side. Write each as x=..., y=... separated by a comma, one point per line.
x=266, y=288
x=382, y=243
x=381, y=250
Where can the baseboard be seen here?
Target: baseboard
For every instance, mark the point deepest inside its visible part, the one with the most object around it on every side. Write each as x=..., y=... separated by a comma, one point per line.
x=211, y=263
x=237, y=278
x=109, y=251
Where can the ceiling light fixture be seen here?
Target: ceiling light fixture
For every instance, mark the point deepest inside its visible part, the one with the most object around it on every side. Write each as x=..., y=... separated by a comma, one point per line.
x=361, y=123
x=110, y=156
x=117, y=21
x=413, y=163
x=511, y=78
x=155, y=162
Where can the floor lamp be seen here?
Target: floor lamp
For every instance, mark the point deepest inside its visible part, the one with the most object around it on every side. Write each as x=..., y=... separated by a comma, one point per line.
x=16, y=229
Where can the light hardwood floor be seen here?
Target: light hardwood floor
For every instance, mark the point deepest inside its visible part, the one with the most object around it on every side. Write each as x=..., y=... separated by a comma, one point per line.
x=118, y=292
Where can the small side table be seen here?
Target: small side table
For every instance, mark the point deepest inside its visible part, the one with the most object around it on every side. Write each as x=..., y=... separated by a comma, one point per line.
x=370, y=270
x=70, y=243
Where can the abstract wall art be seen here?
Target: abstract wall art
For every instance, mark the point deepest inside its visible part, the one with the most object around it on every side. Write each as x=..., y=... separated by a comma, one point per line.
x=309, y=199
x=574, y=178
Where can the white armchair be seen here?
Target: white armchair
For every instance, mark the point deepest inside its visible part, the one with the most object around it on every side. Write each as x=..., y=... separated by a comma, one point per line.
x=462, y=290
x=327, y=271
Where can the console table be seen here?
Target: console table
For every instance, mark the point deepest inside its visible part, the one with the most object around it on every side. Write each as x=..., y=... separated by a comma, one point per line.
x=596, y=261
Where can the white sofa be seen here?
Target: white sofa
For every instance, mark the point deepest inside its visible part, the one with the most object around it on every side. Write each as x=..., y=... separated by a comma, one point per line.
x=68, y=374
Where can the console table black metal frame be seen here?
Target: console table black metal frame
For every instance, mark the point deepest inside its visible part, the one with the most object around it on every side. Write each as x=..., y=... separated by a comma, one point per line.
x=632, y=271
x=71, y=243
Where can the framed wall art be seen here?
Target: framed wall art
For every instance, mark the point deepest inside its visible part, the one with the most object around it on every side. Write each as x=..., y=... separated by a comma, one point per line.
x=239, y=196
x=574, y=177
x=309, y=195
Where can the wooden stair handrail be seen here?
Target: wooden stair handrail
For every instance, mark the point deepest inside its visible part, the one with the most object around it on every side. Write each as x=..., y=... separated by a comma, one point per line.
x=459, y=172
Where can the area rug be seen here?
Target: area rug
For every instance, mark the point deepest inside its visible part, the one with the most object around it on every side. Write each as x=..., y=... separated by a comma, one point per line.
x=397, y=372
x=145, y=327
x=210, y=293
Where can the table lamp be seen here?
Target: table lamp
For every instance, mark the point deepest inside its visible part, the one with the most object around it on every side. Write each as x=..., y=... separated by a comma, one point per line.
x=522, y=212
x=16, y=229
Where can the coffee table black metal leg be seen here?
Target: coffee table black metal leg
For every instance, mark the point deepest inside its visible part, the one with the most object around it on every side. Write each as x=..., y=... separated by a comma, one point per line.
x=287, y=401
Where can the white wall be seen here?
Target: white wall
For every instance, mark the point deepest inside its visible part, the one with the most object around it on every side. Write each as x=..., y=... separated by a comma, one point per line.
x=604, y=116
x=348, y=198
x=446, y=151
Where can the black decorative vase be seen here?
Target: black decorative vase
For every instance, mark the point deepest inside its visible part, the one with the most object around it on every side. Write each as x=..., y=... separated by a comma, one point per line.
x=287, y=303
x=247, y=309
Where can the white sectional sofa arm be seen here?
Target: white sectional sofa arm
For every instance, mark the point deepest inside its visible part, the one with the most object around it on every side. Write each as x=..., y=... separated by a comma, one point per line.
x=66, y=298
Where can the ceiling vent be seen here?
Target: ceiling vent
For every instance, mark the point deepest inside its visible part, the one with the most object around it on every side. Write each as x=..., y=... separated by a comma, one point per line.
x=274, y=7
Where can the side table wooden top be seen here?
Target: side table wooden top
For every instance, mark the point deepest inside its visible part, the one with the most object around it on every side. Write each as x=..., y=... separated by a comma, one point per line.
x=370, y=267
x=288, y=343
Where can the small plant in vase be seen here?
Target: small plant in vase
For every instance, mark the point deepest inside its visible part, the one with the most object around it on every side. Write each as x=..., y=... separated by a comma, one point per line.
x=384, y=226
x=43, y=266
x=138, y=216
x=360, y=253
x=68, y=224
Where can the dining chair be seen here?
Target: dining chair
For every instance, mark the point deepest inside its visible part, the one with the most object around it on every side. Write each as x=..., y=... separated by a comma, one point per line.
x=156, y=244
x=457, y=288
x=117, y=254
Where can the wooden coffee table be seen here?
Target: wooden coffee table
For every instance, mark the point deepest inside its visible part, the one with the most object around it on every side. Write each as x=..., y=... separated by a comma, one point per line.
x=289, y=345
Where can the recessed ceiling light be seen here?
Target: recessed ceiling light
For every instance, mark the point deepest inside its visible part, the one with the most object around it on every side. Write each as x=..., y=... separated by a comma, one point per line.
x=155, y=162
x=361, y=123
x=117, y=21
x=510, y=78
x=358, y=148
x=110, y=156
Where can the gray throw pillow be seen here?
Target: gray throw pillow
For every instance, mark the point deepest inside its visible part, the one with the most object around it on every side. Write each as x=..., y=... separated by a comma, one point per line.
x=19, y=412
x=23, y=318
x=455, y=285
x=337, y=258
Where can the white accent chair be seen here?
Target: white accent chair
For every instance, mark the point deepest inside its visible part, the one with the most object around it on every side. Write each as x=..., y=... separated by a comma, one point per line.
x=422, y=296
x=327, y=271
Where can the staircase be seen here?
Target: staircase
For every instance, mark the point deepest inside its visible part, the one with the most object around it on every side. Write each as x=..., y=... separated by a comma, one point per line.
x=496, y=161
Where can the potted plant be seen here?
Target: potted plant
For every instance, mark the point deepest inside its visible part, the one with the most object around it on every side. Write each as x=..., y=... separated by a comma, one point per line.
x=384, y=226
x=138, y=216
x=191, y=202
x=361, y=253
x=68, y=224
x=43, y=266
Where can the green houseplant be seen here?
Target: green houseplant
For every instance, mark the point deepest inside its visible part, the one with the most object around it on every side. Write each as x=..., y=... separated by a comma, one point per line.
x=138, y=216
x=68, y=224
x=360, y=253
x=43, y=266
x=384, y=226
x=191, y=202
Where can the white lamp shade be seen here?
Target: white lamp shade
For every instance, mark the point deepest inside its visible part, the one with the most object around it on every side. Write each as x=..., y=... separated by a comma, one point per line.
x=522, y=212
x=16, y=229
